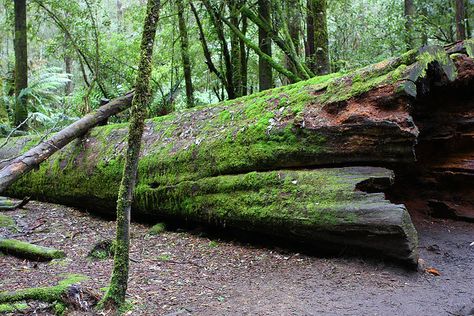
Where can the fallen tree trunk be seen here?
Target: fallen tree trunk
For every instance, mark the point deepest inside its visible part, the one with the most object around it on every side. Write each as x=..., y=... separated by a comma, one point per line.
x=18, y=166
x=201, y=163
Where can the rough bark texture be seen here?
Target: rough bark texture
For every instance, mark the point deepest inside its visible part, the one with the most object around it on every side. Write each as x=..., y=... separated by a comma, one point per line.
x=460, y=20
x=15, y=166
x=409, y=13
x=21, y=64
x=115, y=295
x=227, y=165
x=265, y=76
x=318, y=42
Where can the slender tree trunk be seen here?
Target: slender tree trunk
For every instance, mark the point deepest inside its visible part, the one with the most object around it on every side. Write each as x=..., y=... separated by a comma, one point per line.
x=68, y=68
x=460, y=20
x=207, y=53
x=235, y=49
x=265, y=76
x=119, y=6
x=409, y=13
x=243, y=57
x=294, y=28
x=21, y=64
x=183, y=35
x=318, y=42
x=468, y=25
x=219, y=27
x=115, y=295
x=281, y=69
x=301, y=69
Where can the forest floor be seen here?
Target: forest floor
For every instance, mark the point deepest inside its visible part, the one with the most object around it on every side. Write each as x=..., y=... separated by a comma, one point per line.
x=184, y=273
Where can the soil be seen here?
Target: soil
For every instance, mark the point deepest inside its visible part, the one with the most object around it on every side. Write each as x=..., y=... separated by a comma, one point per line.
x=189, y=273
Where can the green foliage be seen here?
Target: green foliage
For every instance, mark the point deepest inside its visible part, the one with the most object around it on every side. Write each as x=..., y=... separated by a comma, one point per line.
x=157, y=229
x=6, y=221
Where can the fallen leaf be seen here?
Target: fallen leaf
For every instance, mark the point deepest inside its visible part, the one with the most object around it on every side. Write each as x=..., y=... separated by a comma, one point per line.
x=433, y=271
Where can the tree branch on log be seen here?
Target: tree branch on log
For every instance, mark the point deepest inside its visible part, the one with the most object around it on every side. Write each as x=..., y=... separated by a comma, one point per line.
x=33, y=157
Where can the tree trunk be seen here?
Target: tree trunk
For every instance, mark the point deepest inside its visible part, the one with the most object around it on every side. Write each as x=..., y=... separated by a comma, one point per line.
x=16, y=167
x=281, y=69
x=244, y=54
x=183, y=35
x=265, y=76
x=235, y=48
x=317, y=33
x=219, y=27
x=207, y=53
x=21, y=65
x=68, y=68
x=115, y=295
x=293, y=15
x=273, y=163
x=460, y=20
x=409, y=14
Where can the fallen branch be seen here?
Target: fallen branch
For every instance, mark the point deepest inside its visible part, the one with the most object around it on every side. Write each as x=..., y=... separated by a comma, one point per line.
x=26, y=250
x=7, y=204
x=33, y=157
x=65, y=294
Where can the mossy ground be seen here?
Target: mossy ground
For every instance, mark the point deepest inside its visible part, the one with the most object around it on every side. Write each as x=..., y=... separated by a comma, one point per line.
x=7, y=221
x=157, y=229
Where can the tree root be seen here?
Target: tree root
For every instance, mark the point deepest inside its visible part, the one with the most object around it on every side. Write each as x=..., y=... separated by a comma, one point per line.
x=26, y=250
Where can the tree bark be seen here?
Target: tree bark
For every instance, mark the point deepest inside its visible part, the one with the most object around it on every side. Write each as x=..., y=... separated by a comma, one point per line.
x=317, y=34
x=207, y=53
x=17, y=167
x=68, y=89
x=183, y=35
x=21, y=65
x=265, y=75
x=115, y=295
x=293, y=77
x=219, y=27
x=409, y=14
x=460, y=20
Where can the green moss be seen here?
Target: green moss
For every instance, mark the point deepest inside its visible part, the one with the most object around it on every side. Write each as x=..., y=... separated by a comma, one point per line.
x=13, y=307
x=164, y=257
x=26, y=250
x=102, y=250
x=49, y=294
x=157, y=229
x=6, y=221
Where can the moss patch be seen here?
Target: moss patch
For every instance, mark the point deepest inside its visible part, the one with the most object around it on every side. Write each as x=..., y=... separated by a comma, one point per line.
x=6, y=221
x=49, y=294
x=26, y=250
x=157, y=229
x=13, y=307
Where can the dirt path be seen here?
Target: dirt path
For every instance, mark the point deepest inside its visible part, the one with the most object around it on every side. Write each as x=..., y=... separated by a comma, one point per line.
x=178, y=273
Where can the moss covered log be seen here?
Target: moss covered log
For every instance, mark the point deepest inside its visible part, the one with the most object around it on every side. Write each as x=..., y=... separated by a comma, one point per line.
x=62, y=295
x=26, y=250
x=200, y=163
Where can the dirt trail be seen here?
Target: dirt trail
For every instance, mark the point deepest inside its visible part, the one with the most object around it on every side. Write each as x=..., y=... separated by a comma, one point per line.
x=178, y=273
